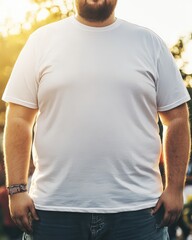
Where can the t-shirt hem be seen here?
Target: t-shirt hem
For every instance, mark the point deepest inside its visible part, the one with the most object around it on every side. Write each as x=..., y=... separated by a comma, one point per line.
x=96, y=210
x=19, y=102
x=175, y=104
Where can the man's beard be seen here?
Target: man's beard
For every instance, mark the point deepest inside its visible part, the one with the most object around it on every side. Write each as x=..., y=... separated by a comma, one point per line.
x=92, y=13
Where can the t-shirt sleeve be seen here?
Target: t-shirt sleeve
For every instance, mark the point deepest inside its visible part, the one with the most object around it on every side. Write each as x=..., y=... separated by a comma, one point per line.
x=23, y=84
x=171, y=90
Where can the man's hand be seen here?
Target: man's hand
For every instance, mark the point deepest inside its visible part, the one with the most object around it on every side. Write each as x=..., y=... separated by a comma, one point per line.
x=172, y=202
x=22, y=211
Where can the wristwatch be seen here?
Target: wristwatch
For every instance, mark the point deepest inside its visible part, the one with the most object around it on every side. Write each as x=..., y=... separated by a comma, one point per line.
x=17, y=188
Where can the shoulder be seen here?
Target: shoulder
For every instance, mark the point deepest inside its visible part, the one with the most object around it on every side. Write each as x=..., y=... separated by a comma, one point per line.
x=143, y=34
x=50, y=30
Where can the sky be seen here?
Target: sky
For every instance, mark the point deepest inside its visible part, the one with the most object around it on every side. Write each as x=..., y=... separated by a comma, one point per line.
x=168, y=18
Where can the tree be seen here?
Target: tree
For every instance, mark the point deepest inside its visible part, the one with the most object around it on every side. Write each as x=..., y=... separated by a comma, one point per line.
x=11, y=45
x=53, y=10
x=178, y=51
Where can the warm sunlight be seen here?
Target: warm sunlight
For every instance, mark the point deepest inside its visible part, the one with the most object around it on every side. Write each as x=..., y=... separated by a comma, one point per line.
x=13, y=19
x=170, y=27
x=13, y=13
x=14, y=10
x=187, y=57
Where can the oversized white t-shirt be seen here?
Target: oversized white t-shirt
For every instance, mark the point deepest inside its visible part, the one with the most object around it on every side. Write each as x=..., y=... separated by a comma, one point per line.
x=98, y=90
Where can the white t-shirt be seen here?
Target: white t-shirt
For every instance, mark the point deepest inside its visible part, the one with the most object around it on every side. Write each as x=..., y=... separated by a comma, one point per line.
x=98, y=90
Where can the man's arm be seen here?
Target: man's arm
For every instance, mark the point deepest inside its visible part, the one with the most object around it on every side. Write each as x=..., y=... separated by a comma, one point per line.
x=17, y=149
x=176, y=148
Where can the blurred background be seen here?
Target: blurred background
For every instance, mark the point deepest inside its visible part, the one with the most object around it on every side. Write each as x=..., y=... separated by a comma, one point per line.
x=170, y=19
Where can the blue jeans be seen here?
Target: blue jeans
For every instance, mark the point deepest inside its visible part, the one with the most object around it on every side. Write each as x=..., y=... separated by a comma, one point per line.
x=134, y=225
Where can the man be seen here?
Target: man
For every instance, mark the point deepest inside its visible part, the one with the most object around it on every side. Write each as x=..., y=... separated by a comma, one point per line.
x=94, y=86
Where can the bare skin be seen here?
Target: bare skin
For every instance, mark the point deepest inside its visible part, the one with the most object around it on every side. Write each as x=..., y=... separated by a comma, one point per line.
x=17, y=148
x=18, y=137
x=176, y=145
x=105, y=23
x=96, y=24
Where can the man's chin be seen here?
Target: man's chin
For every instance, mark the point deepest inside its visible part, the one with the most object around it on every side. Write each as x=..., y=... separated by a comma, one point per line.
x=95, y=10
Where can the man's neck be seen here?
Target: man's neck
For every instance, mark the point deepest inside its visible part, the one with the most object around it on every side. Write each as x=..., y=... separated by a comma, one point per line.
x=105, y=23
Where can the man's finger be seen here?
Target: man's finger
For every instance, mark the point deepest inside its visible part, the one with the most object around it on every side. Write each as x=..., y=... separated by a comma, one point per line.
x=173, y=219
x=26, y=223
x=33, y=213
x=19, y=224
x=166, y=220
x=178, y=216
x=157, y=207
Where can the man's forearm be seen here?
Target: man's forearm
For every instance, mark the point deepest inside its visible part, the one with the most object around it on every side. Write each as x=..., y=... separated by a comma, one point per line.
x=176, y=147
x=17, y=149
x=176, y=152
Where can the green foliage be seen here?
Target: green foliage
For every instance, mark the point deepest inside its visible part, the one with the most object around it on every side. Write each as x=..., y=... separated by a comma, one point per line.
x=178, y=50
x=9, y=48
x=11, y=45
